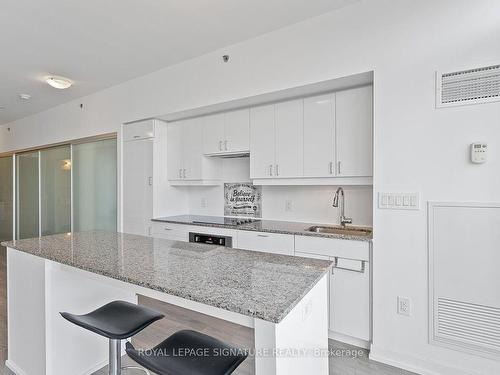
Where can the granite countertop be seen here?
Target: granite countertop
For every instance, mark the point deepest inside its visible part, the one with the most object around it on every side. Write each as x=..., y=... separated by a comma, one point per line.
x=271, y=226
x=262, y=285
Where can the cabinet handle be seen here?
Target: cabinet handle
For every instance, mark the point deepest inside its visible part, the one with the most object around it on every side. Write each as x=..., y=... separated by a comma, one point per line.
x=180, y=173
x=262, y=235
x=220, y=145
x=270, y=169
x=149, y=231
x=277, y=170
x=167, y=228
x=150, y=181
x=184, y=173
x=330, y=167
x=225, y=145
x=137, y=136
x=339, y=170
x=336, y=267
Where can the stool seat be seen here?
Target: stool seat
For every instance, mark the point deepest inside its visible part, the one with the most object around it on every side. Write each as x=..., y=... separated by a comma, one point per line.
x=189, y=352
x=117, y=320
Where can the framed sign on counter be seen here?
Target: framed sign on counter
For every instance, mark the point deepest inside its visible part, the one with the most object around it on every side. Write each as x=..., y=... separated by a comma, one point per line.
x=242, y=199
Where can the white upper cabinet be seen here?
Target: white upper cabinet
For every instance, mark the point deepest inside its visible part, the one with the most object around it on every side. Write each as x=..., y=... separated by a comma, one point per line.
x=139, y=130
x=319, y=136
x=289, y=129
x=237, y=131
x=306, y=141
x=192, y=143
x=174, y=150
x=213, y=134
x=276, y=140
x=226, y=133
x=262, y=142
x=185, y=160
x=354, y=134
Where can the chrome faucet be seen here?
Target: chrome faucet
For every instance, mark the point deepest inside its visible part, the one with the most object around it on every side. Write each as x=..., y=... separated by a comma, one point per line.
x=339, y=195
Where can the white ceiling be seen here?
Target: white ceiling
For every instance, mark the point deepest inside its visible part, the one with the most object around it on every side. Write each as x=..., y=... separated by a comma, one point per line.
x=100, y=43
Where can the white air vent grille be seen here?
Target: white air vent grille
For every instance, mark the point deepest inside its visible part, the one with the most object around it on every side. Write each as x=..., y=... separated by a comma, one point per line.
x=471, y=86
x=469, y=324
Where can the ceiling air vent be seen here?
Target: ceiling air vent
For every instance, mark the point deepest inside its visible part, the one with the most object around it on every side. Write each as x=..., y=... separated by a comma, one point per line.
x=472, y=86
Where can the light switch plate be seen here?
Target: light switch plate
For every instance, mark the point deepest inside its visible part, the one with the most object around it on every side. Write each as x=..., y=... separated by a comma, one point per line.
x=399, y=201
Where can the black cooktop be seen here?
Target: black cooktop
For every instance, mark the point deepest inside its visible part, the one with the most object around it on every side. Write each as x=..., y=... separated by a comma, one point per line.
x=231, y=221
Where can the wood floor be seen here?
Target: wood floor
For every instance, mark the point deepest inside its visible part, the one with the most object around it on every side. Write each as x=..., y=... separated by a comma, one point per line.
x=178, y=318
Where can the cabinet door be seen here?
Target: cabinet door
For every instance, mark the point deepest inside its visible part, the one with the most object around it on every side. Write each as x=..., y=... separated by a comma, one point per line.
x=354, y=138
x=237, y=131
x=319, y=135
x=350, y=299
x=174, y=150
x=192, y=150
x=138, y=130
x=262, y=142
x=213, y=133
x=289, y=139
x=137, y=186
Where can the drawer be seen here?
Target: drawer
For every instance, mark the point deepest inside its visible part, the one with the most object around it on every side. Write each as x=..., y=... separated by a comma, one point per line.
x=169, y=231
x=267, y=242
x=333, y=247
x=139, y=130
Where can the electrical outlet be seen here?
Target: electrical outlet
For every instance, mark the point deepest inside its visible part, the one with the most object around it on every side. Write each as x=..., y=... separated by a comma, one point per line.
x=288, y=205
x=203, y=202
x=404, y=306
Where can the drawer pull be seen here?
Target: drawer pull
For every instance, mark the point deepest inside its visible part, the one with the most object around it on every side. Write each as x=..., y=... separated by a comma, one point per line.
x=262, y=235
x=168, y=228
x=336, y=266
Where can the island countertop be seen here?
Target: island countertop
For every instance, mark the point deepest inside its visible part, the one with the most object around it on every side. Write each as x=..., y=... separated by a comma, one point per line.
x=261, y=285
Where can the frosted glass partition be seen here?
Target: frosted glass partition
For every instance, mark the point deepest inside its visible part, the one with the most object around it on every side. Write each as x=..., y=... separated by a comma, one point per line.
x=55, y=190
x=27, y=198
x=6, y=198
x=94, y=186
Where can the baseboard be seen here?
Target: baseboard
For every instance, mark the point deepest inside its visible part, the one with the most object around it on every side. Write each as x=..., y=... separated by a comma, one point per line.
x=414, y=364
x=349, y=340
x=14, y=368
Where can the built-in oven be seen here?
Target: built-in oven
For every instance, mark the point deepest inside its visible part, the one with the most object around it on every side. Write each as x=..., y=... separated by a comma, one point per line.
x=226, y=241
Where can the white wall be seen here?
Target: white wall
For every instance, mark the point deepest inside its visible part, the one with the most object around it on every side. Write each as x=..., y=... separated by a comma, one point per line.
x=417, y=148
x=310, y=204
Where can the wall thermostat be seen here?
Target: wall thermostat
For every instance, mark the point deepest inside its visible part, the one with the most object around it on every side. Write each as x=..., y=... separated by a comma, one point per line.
x=478, y=153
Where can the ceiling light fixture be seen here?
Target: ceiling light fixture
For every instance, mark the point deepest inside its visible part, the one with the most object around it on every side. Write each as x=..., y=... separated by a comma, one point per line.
x=59, y=82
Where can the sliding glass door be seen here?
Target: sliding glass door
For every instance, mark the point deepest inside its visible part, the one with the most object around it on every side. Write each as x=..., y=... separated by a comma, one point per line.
x=94, y=186
x=55, y=190
x=6, y=197
x=60, y=189
x=27, y=195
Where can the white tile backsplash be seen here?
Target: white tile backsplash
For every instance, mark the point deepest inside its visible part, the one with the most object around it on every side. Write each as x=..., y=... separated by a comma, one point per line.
x=308, y=203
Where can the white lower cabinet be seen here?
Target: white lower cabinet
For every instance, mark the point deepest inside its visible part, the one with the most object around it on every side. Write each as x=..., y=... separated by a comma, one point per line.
x=266, y=242
x=350, y=286
x=350, y=298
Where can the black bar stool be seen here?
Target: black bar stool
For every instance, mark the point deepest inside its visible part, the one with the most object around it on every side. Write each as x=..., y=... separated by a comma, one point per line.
x=189, y=353
x=117, y=320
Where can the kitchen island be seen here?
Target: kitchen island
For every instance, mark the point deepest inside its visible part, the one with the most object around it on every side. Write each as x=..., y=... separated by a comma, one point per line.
x=283, y=298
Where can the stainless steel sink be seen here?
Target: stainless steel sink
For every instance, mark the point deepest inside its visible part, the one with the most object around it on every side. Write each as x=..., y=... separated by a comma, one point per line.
x=347, y=230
